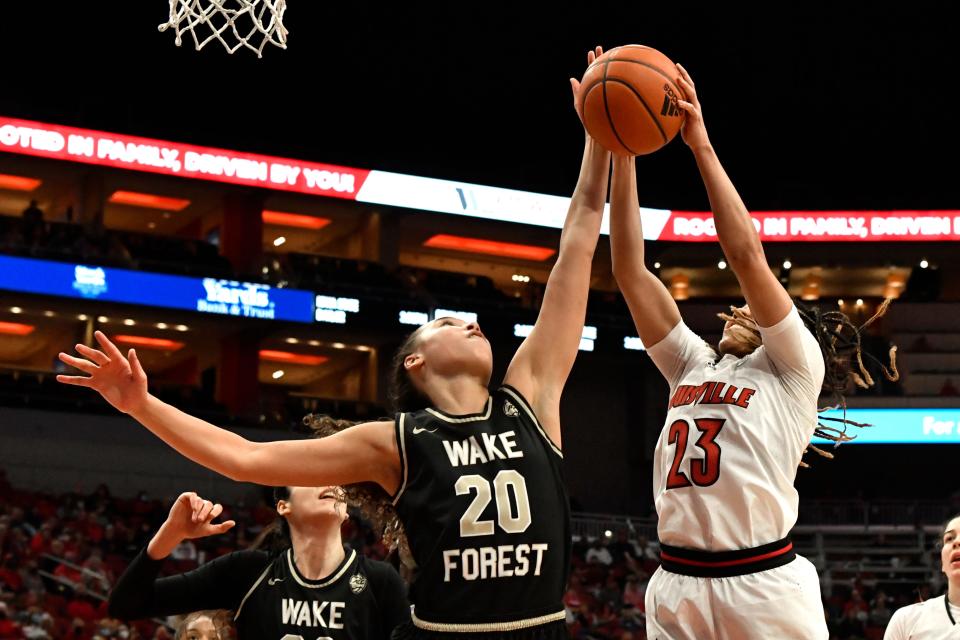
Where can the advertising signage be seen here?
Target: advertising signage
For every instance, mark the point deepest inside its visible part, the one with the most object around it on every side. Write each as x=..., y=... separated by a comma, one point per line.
x=203, y=295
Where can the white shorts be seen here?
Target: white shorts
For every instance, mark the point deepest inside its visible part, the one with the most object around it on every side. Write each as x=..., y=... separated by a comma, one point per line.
x=778, y=604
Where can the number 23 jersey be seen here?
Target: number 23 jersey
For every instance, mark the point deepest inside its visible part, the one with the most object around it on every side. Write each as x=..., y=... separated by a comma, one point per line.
x=736, y=428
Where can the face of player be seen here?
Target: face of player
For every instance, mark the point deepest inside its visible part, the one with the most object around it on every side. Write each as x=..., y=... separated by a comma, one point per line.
x=201, y=628
x=314, y=506
x=736, y=339
x=950, y=554
x=449, y=347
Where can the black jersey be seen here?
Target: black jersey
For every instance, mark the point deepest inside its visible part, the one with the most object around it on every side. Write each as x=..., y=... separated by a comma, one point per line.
x=271, y=600
x=341, y=606
x=485, y=510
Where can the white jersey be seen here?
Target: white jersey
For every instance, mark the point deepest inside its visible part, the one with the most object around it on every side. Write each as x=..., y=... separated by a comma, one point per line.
x=736, y=429
x=926, y=620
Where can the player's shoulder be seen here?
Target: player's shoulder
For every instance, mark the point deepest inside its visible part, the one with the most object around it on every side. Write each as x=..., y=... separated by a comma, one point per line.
x=422, y=416
x=377, y=568
x=239, y=567
x=905, y=618
x=760, y=360
x=248, y=558
x=375, y=429
x=682, y=341
x=381, y=575
x=510, y=402
x=756, y=359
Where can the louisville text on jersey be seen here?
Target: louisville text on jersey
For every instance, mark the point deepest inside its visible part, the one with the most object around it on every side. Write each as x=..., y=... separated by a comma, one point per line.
x=712, y=392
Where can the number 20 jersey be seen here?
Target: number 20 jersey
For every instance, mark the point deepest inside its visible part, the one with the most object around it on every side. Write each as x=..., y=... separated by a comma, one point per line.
x=486, y=513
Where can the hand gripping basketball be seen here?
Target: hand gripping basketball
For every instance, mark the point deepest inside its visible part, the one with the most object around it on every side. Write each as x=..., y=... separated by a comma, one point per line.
x=575, y=84
x=693, y=131
x=628, y=100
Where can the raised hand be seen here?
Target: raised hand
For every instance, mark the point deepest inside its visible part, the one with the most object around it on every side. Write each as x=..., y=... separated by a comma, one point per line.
x=190, y=517
x=119, y=379
x=575, y=84
x=693, y=130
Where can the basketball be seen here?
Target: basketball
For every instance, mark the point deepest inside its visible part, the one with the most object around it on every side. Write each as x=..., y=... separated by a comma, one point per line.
x=628, y=100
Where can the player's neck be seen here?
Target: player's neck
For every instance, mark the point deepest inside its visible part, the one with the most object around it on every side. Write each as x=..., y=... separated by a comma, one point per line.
x=458, y=395
x=317, y=556
x=953, y=593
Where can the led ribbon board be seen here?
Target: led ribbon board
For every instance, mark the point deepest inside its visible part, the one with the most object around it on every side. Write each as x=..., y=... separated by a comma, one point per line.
x=87, y=146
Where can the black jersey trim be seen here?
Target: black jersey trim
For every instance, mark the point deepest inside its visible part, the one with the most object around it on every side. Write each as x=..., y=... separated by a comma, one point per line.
x=400, y=430
x=469, y=417
x=252, y=589
x=303, y=582
x=726, y=564
x=526, y=408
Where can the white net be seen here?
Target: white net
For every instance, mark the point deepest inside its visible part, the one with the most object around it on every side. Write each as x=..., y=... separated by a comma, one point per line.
x=234, y=23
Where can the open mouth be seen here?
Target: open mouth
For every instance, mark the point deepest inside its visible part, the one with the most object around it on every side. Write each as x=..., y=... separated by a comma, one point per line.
x=955, y=559
x=328, y=495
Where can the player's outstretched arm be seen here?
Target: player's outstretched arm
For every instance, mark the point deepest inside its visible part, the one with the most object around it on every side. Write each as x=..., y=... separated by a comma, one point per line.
x=365, y=453
x=653, y=309
x=543, y=362
x=769, y=301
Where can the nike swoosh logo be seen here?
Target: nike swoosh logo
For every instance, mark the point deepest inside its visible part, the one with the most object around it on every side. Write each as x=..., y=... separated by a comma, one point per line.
x=417, y=430
x=273, y=581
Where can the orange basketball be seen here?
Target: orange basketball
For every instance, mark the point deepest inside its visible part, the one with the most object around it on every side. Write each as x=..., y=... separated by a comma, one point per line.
x=628, y=100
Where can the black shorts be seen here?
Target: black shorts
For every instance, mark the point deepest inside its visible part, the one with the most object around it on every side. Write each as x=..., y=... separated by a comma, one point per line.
x=550, y=631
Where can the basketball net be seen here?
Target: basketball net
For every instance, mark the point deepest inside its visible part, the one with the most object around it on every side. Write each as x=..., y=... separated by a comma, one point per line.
x=235, y=23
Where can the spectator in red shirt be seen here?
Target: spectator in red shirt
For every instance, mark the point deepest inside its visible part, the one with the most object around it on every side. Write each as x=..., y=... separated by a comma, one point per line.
x=66, y=569
x=8, y=628
x=82, y=606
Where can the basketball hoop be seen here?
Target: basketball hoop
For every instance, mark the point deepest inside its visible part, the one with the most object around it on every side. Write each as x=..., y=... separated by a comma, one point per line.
x=235, y=23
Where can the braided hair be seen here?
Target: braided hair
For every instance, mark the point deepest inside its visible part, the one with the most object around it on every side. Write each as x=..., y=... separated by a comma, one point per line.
x=843, y=356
